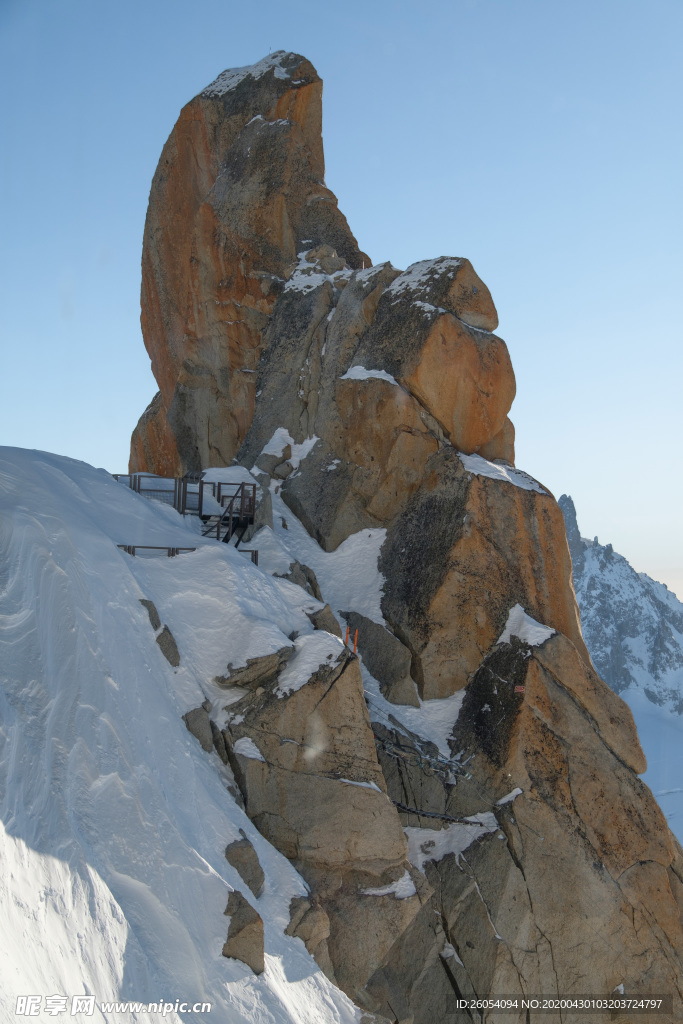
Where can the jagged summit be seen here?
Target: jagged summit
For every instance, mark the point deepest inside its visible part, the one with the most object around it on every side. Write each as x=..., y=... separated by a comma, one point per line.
x=238, y=194
x=281, y=63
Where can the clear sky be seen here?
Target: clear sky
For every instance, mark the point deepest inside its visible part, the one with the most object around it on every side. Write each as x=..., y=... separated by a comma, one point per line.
x=540, y=139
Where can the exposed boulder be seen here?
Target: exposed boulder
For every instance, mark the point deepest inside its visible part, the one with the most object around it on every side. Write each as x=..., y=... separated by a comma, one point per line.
x=244, y=858
x=324, y=619
x=267, y=461
x=164, y=636
x=308, y=921
x=168, y=647
x=305, y=762
x=245, y=933
x=304, y=577
x=150, y=607
x=257, y=671
x=452, y=285
x=386, y=658
x=502, y=446
x=198, y=723
x=460, y=374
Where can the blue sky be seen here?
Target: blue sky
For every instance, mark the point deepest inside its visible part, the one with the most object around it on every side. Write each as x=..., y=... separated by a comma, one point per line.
x=541, y=140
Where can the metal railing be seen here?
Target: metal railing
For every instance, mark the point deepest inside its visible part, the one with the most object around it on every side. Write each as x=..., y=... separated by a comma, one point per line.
x=131, y=549
x=238, y=510
x=187, y=494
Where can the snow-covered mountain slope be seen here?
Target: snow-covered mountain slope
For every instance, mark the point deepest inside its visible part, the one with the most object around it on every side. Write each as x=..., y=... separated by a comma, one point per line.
x=632, y=625
x=114, y=820
x=633, y=628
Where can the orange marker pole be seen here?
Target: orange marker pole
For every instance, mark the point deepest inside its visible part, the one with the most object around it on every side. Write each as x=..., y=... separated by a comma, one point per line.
x=355, y=642
x=346, y=640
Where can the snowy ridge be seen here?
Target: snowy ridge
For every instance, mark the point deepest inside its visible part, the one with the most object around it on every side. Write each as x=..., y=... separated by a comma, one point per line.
x=111, y=811
x=231, y=78
x=420, y=275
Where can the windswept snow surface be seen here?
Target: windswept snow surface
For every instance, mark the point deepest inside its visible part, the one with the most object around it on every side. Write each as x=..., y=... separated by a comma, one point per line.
x=661, y=736
x=115, y=821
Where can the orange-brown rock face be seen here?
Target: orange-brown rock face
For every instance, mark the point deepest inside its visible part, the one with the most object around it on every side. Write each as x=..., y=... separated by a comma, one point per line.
x=237, y=203
x=465, y=381
x=153, y=443
x=369, y=397
x=238, y=191
x=589, y=868
x=492, y=542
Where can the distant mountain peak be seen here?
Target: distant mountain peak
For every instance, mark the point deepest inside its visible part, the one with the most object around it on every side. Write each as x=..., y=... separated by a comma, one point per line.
x=632, y=625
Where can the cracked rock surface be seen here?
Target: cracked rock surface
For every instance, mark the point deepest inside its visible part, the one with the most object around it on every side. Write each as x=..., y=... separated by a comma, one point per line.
x=533, y=859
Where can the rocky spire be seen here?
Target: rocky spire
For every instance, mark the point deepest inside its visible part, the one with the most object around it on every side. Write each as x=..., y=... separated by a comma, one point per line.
x=270, y=333
x=238, y=192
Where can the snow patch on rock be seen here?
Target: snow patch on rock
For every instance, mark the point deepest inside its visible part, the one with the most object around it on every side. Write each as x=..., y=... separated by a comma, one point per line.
x=310, y=652
x=521, y=625
x=426, y=844
x=360, y=373
x=500, y=471
x=233, y=77
x=247, y=748
x=402, y=889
